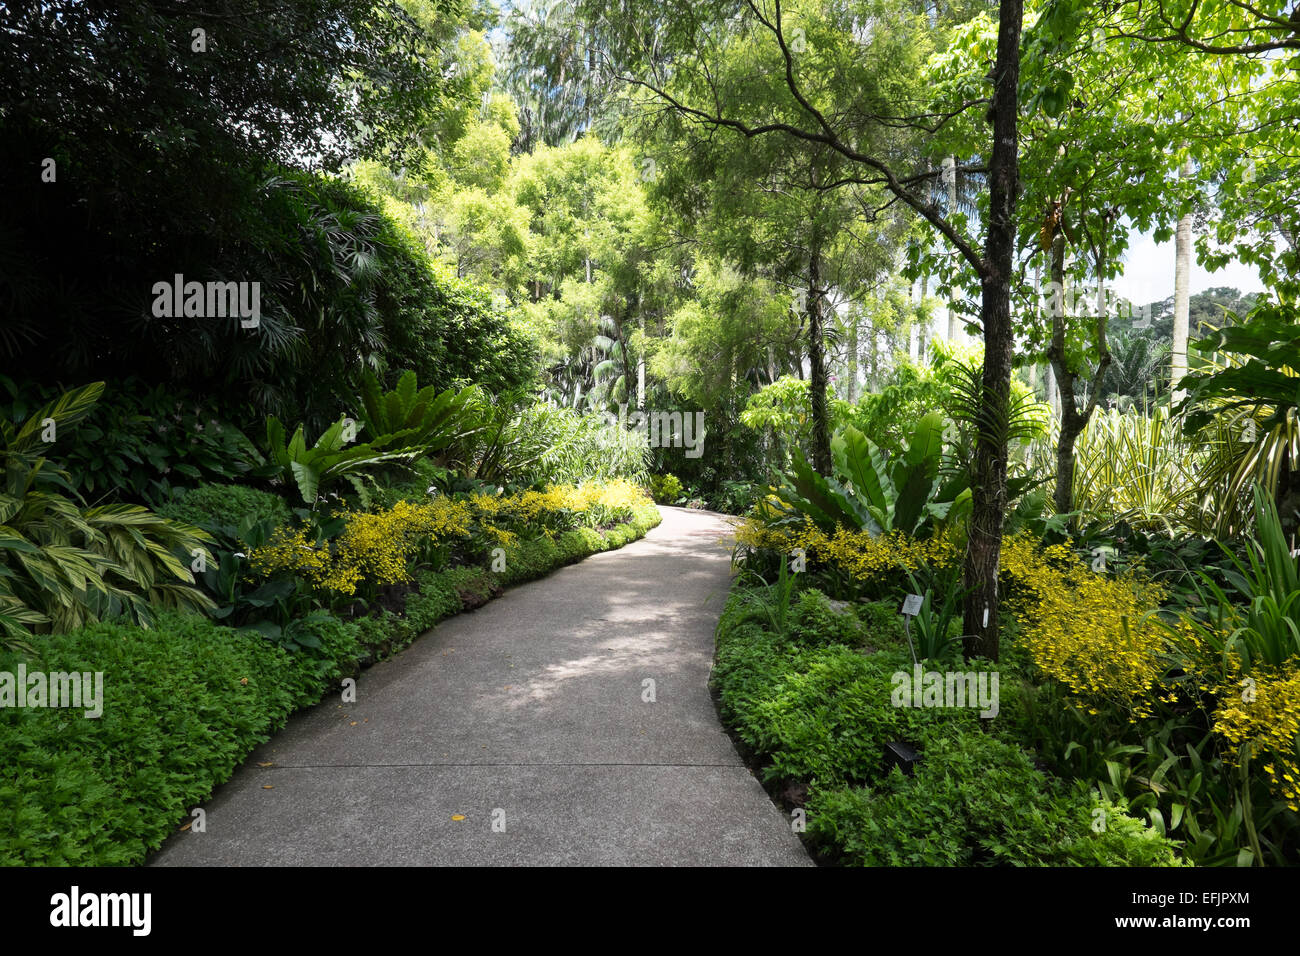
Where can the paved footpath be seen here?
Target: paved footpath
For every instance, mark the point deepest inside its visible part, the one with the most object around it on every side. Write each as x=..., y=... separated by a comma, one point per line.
x=527, y=719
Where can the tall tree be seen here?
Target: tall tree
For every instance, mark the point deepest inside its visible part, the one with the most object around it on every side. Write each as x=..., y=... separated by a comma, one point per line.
x=826, y=51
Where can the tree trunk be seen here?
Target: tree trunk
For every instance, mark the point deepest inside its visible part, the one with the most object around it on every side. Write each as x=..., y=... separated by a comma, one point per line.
x=924, y=349
x=1072, y=420
x=1182, y=300
x=950, y=178
x=989, y=504
x=640, y=368
x=853, y=361
x=821, y=436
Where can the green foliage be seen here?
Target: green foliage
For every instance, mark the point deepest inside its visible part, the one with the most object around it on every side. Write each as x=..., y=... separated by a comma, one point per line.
x=1265, y=380
x=1174, y=770
x=1260, y=623
x=1248, y=411
x=212, y=504
x=419, y=418
x=665, y=489
x=810, y=708
x=315, y=468
x=785, y=407
x=63, y=564
x=815, y=622
x=155, y=179
x=139, y=440
x=820, y=714
x=866, y=493
x=540, y=443
x=1138, y=468
x=183, y=704
x=889, y=415
x=934, y=625
x=977, y=801
x=768, y=605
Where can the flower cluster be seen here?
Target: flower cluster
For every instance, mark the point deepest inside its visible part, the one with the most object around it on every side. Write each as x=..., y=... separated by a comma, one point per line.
x=560, y=508
x=861, y=554
x=1266, y=715
x=1094, y=633
x=374, y=548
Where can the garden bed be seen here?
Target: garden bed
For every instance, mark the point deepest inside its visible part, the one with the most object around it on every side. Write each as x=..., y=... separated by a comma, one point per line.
x=185, y=702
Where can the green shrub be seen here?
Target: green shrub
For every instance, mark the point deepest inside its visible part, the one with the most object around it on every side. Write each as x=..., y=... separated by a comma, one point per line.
x=230, y=506
x=815, y=622
x=882, y=623
x=139, y=439
x=665, y=489
x=62, y=564
x=183, y=704
x=819, y=714
x=977, y=801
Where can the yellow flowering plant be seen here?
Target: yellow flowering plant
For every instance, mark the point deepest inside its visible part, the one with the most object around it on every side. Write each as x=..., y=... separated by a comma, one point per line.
x=1094, y=633
x=373, y=549
x=1262, y=720
x=377, y=549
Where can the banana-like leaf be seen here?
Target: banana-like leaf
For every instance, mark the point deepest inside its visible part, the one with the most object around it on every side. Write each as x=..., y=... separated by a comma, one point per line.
x=858, y=460
x=916, y=472
x=307, y=479
x=824, y=500
x=65, y=410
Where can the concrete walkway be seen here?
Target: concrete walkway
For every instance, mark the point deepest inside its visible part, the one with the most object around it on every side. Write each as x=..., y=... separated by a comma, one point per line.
x=526, y=718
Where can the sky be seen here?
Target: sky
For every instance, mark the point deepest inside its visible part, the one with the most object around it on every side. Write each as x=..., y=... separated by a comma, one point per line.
x=1149, y=273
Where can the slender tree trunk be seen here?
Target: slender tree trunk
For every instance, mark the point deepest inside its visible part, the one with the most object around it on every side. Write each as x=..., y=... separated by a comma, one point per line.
x=640, y=367
x=950, y=178
x=1073, y=421
x=852, y=371
x=1182, y=300
x=930, y=331
x=1065, y=379
x=821, y=436
x=989, y=498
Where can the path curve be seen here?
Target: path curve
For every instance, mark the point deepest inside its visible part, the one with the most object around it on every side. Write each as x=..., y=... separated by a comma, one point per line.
x=528, y=713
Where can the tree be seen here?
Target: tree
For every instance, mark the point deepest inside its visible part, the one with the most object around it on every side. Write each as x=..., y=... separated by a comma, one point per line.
x=776, y=206
x=553, y=72
x=150, y=139
x=868, y=97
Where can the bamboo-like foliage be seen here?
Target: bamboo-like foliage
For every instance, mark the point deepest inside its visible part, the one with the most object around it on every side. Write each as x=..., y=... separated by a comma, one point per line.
x=1139, y=468
x=63, y=565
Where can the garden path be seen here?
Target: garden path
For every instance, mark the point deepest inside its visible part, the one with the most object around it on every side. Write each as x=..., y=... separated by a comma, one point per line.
x=522, y=734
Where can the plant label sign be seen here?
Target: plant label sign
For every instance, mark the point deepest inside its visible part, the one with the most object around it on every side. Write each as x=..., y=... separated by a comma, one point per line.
x=912, y=605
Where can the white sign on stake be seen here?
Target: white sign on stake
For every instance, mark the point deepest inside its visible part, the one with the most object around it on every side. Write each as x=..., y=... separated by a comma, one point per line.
x=912, y=605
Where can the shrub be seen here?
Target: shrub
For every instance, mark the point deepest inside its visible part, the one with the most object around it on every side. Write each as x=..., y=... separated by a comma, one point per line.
x=544, y=443
x=665, y=489
x=373, y=550
x=211, y=506
x=63, y=565
x=139, y=440
x=819, y=714
x=183, y=704
x=815, y=622
x=978, y=801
